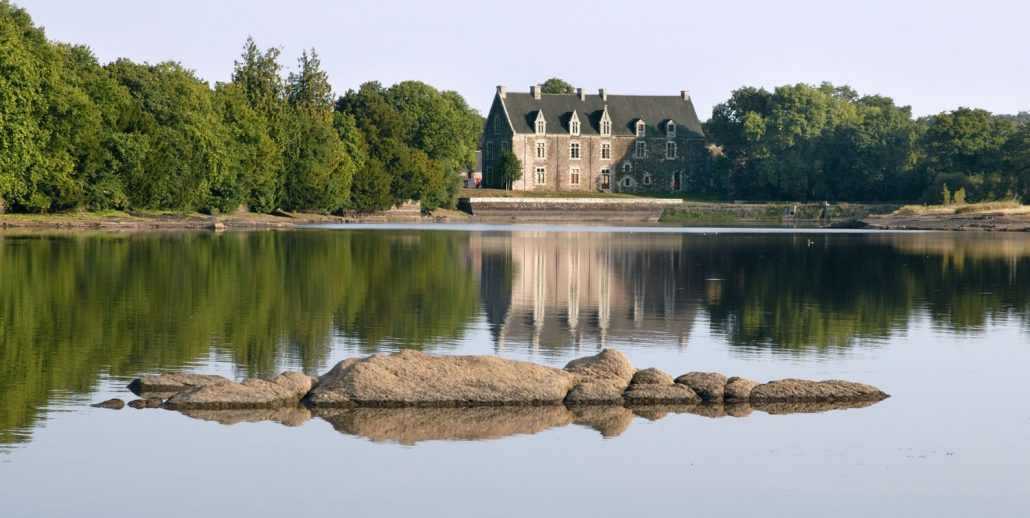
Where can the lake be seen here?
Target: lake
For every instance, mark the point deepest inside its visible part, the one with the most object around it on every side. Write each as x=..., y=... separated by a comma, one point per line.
x=941, y=321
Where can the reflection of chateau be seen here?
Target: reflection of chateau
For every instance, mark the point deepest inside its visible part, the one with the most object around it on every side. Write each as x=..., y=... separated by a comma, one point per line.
x=583, y=290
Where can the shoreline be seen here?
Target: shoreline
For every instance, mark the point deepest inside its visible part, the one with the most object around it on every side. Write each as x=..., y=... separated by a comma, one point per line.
x=850, y=216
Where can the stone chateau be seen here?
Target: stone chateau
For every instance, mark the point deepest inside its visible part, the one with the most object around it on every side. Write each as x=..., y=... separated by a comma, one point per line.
x=609, y=143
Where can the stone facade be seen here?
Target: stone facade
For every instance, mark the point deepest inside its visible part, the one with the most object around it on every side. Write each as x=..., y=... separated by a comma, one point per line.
x=611, y=155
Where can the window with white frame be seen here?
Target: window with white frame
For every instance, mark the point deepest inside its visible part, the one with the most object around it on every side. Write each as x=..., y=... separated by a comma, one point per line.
x=640, y=150
x=574, y=150
x=670, y=150
x=627, y=182
x=627, y=167
x=541, y=175
x=606, y=127
x=541, y=149
x=670, y=129
x=574, y=127
x=541, y=124
x=606, y=151
x=574, y=176
x=646, y=179
x=641, y=129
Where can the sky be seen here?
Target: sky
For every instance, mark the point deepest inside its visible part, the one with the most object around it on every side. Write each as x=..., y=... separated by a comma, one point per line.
x=931, y=55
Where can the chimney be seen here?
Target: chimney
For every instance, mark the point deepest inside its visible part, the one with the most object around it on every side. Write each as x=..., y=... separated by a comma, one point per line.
x=685, y=94
x=581, y=94
x=535, y=90
x=502, y=92
x=603, y=93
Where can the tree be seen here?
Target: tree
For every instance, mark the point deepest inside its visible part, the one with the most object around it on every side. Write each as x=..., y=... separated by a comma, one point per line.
x=968, y=143
x=556, y=86
x=318, y=171
x=509, y=168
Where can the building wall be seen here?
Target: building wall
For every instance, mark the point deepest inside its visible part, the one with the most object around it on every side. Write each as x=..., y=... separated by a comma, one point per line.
x=691, y=159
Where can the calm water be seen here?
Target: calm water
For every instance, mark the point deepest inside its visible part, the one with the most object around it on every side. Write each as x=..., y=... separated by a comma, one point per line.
x=941, y=321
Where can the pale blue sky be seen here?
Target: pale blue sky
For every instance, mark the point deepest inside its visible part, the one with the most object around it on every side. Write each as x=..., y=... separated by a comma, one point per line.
x=933, y=56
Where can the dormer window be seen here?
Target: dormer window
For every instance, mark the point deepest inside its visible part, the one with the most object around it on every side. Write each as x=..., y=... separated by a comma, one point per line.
x=574, y=124
x=670, y=129
x=541, y=123
x=641, y=129
x=606, y=123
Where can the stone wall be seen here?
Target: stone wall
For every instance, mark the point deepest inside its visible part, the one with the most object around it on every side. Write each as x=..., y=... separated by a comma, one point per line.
x=566, y=209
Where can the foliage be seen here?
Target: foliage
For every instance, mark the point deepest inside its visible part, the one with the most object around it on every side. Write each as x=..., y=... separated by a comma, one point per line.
x=417, y=139
x=555, y=85
x=803, y=142
x=509, y=168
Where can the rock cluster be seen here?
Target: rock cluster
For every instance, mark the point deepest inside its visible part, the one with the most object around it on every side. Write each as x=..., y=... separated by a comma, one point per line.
x=363, y=395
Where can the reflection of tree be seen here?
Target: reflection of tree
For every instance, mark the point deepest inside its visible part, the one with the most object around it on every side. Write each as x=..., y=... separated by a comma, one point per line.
x=73, y=307
x=826, y=291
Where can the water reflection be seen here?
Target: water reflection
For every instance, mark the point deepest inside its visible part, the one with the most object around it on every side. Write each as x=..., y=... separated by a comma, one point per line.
x=414, y=425
x=78, y=310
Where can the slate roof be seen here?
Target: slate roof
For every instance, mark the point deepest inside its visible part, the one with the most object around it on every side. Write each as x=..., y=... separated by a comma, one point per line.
x=624, y=111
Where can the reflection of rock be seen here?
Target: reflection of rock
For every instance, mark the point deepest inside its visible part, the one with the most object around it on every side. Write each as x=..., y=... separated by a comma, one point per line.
x=708, y=385
x=285, y=389
x=150, y=402
x=288, y=415
x=412, y=425
x=783, y=408
x=171, y=383
x=110, y=404
x=600, y=379
x=411, y=378
x=610, y=420
x=737, y=409
x=799, y=391
x=738, y=389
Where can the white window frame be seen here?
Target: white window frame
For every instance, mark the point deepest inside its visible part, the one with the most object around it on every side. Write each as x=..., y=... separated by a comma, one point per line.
x=541, y=150
x=626, y=182
x=627, y=167
x=540, y=175
x=575, y=151
x=640, y=149
x=541, y=127
x=574, y=128
x=641, y=129
x=671, y=151
x=606, y=151
x=646, y=179
x=574, y=175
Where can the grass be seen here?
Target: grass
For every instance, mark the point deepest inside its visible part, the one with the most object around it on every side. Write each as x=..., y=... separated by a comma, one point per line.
x=966, y=208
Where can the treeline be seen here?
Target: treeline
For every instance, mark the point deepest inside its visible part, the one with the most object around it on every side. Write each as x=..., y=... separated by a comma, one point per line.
x=827, y=142
x=76, y=134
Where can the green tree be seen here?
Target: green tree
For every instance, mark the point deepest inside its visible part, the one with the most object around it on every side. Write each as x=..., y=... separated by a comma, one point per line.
x=509, y=168
x=318, y=170
x=968, y=142
x=555, y=85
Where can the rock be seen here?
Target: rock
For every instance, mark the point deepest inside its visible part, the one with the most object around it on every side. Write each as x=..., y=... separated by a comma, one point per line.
x=607, y=365
x=171, y=383
x=802, y=391
x=411, y=378
x=286, y=389
x=294, y=415
x=150, y=402
x=611, y=421
x=738, y=389
x=595, y=393
x=651, y=376
x=709, y=385
x=671, y=394
x=111, y=404
x=417, y=424
x=600, y=379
